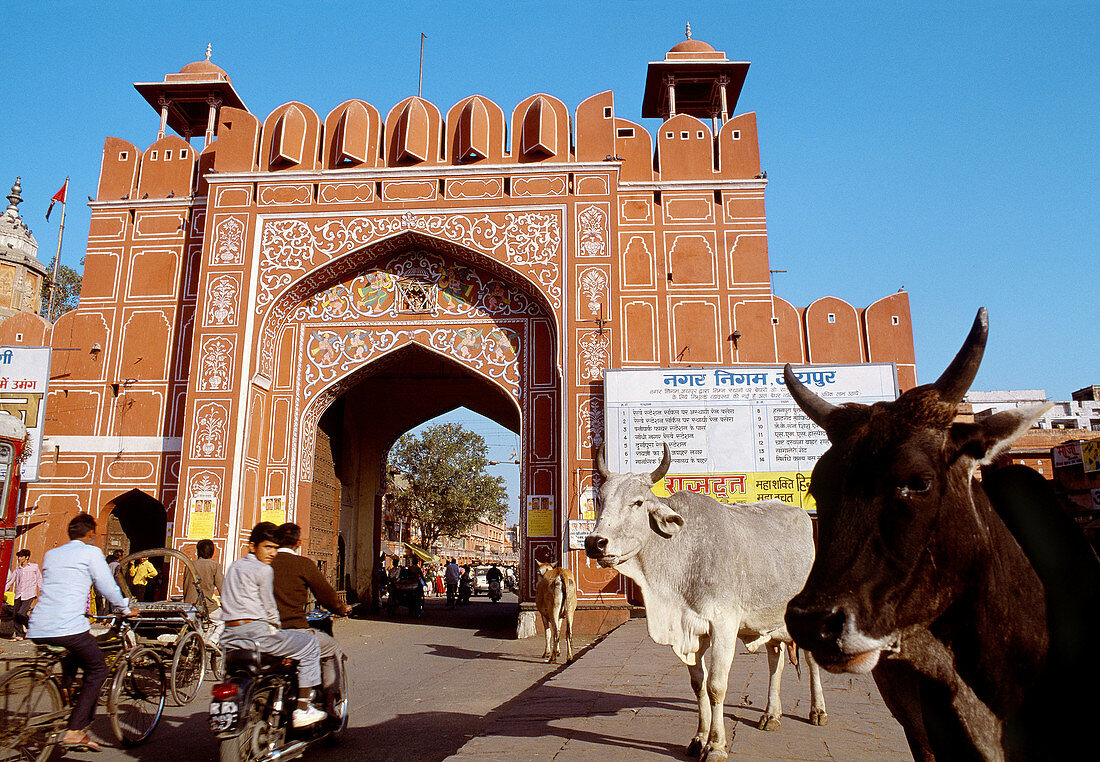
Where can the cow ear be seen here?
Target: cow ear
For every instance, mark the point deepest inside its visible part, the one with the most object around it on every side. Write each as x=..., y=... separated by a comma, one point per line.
x=988, y=438
x=665, y=520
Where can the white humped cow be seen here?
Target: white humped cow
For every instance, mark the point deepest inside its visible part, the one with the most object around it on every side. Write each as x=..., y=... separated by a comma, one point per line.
x=709, y=573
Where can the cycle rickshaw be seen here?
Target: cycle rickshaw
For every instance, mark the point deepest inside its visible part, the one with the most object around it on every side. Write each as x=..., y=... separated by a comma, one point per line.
x=177, y=629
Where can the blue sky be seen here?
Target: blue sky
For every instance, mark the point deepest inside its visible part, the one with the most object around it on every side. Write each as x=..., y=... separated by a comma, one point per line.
x=947, y=148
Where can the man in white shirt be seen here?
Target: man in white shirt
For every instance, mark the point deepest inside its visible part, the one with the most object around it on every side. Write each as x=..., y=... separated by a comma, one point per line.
x=59, y=619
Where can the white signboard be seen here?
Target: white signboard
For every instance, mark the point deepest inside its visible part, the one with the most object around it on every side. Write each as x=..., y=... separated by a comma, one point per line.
x=578, y=530
x=24, y=377
x=1067, y=454
x=734, y=433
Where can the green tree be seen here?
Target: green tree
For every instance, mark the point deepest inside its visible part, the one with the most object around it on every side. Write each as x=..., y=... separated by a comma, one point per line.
x=68, y=290
x=439, y=481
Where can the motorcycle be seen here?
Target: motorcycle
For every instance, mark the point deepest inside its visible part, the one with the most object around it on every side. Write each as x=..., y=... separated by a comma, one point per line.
x=250, y=713
x=408, y=592
x=494, y=590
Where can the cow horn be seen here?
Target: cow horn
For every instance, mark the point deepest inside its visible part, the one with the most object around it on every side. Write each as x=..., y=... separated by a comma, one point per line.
x=958, y=377
x=601, y=462
x=661, y=470
x=817, y=409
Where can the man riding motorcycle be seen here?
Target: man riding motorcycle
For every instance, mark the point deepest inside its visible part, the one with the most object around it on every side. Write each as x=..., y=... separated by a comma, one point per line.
x=252, y=619
x=295, y=578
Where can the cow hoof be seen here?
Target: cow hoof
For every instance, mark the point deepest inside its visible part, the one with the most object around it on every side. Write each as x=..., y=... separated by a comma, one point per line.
x=767, y=722
x=716, y=755
x=818, y=717
x=695, y=748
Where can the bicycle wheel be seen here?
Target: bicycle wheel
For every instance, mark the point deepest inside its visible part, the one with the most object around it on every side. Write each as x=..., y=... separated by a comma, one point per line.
x=31, y=715
x=137, y=696
x=188, y=668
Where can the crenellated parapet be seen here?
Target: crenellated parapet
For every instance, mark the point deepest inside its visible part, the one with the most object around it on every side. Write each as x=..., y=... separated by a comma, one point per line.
x=415, y=133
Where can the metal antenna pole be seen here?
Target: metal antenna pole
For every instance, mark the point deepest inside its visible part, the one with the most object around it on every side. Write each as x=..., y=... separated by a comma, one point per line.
x=420, y=79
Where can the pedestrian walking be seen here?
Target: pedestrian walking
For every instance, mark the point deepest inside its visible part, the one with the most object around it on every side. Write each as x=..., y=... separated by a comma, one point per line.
x=26, y=582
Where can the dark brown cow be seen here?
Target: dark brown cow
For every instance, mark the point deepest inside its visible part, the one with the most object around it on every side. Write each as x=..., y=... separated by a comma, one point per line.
x=919, y=579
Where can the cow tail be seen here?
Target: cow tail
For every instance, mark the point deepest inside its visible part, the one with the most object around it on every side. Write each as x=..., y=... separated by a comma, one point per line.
x=559, y=596
x=792, y=654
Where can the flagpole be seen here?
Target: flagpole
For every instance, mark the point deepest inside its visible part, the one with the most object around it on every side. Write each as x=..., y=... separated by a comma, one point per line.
x=420, y=78
x=57, y=257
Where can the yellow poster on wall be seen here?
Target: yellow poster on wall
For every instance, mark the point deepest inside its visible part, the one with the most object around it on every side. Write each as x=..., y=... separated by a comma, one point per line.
x=201, y=526
x=273, y=509
x=201, y=516
x=540, y=515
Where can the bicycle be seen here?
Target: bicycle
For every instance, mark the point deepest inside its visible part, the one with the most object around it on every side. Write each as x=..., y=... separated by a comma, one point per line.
x=35, y=702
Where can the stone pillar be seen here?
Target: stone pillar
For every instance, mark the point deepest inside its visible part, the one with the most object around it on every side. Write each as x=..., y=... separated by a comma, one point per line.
x=670, y=83
x=211, y=114
x=163, y=103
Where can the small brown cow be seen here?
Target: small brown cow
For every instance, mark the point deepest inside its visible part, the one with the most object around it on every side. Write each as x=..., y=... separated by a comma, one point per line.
x=556, y=600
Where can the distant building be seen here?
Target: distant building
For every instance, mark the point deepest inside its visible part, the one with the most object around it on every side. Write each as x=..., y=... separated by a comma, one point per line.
x=21, y=274
x=1082, y=412
x=1052, y=446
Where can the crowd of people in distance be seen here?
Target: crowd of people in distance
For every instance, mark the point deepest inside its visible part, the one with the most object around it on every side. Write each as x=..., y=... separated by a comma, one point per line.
x=447, y=579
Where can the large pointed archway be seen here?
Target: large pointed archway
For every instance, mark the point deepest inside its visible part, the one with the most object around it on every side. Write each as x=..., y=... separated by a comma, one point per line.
x=390, y=396
x=409, y=335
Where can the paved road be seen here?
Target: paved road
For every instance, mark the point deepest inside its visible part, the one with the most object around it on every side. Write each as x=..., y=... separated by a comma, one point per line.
x=456, y=685
x=420, y=687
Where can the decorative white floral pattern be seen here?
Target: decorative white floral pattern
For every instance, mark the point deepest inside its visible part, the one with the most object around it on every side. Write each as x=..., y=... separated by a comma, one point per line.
x=211, y=423
x=593, y=283
x=228, y=245
x=222, y=301
x=332, y=353
x=591, y=415
x=204, y=481
x=215, y=363
x=592, y=223
x=595, y=355
x=297, y=258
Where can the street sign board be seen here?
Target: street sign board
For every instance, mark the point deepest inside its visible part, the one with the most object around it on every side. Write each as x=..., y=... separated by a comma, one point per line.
x=735, y=433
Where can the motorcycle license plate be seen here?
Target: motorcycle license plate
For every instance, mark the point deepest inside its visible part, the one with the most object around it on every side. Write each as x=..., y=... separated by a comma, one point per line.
x=223, y=715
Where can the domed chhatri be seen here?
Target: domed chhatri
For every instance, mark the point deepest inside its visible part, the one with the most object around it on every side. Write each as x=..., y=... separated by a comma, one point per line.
x=693, y=79
x=189, y=100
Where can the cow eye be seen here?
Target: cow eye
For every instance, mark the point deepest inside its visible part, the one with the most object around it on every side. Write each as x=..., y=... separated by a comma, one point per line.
x=914, y=485
x=638, y=503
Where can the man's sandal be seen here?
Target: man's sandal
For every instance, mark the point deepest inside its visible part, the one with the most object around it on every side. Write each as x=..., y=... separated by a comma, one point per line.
x=83, y=743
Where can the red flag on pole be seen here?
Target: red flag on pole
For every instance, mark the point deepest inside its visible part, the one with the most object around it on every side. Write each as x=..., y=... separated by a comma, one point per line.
x=59, y=196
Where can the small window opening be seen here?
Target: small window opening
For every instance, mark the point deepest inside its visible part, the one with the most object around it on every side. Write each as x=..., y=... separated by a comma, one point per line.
x=775, y=321
x=832, y=317
x=699, y=134
x=670, y=135
x=737, y=134
x=152, y=155
x=183, y=153
x=685, y=135
x=168, y=155
x=606, y=112
x=625, y=132
x=895, y=320
x=18, y=337
x=122, y=156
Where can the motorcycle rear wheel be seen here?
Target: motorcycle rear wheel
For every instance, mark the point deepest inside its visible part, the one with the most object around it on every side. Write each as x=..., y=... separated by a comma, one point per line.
x=256, y=734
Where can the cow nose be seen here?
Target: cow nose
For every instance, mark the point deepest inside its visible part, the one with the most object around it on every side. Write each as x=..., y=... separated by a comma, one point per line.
x=814, y=625
x=595, y=546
